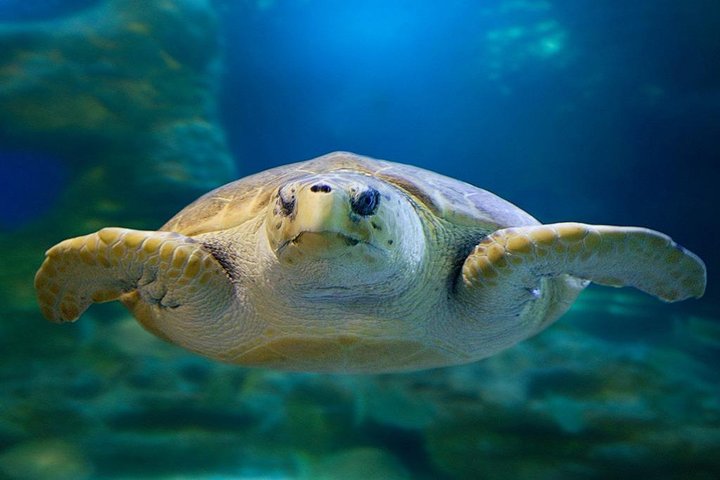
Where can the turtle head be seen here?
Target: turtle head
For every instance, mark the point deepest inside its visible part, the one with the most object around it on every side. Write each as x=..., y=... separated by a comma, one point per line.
x=344, y=229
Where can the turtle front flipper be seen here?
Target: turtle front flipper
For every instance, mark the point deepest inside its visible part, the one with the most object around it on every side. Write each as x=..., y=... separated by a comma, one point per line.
x=507, y=266
x=164, y=269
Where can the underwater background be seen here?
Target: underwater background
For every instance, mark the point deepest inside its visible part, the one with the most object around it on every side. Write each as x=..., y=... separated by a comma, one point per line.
x=120, y=112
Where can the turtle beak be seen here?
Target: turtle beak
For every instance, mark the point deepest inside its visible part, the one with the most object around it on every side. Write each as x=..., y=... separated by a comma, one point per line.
x=316, y=219
x=319, y=211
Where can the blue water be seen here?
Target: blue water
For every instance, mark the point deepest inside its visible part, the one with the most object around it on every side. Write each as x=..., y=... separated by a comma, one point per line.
x=13, y=11
x=607, y=113
x=27, y=200
x=575, y=110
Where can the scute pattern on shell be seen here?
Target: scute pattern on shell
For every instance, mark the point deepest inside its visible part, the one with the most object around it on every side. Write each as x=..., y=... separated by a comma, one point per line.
x=455, y=201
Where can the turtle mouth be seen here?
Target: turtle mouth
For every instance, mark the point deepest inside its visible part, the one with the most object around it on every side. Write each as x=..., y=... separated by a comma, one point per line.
x=322, y=240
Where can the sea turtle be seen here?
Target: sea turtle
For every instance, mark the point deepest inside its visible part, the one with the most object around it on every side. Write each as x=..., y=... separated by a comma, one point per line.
x=348, y=264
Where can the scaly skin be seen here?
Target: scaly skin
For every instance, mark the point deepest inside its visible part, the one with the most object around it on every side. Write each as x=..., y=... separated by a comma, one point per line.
x=102, y=266
x=513, y=258
x=519, y=280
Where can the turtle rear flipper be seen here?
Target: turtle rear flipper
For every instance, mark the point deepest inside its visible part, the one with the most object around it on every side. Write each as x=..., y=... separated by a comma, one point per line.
x=163, y=269
x=508, y=264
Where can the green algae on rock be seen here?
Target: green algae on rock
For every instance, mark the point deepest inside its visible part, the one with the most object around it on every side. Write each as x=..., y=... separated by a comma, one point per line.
x=51, y=459
x=131, y=83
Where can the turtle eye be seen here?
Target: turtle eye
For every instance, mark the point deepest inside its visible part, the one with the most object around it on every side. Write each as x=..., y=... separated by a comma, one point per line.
x=365, y=203
x=286, y=202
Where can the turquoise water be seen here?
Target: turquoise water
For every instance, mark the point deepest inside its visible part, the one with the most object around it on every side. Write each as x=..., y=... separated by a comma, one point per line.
x=120, y=112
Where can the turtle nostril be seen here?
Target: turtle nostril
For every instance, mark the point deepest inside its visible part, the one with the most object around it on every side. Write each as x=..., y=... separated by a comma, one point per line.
x=321, y=187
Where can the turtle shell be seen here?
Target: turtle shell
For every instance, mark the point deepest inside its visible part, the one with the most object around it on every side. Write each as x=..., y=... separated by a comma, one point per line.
x=455, y=201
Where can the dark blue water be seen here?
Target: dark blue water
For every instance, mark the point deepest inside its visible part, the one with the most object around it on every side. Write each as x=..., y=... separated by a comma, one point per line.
x=601, y=112
x=575, y=110
x=14, y=11
x=29, y=184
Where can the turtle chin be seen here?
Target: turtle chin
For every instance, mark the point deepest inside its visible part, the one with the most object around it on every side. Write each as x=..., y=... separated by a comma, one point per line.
x=330, y=264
